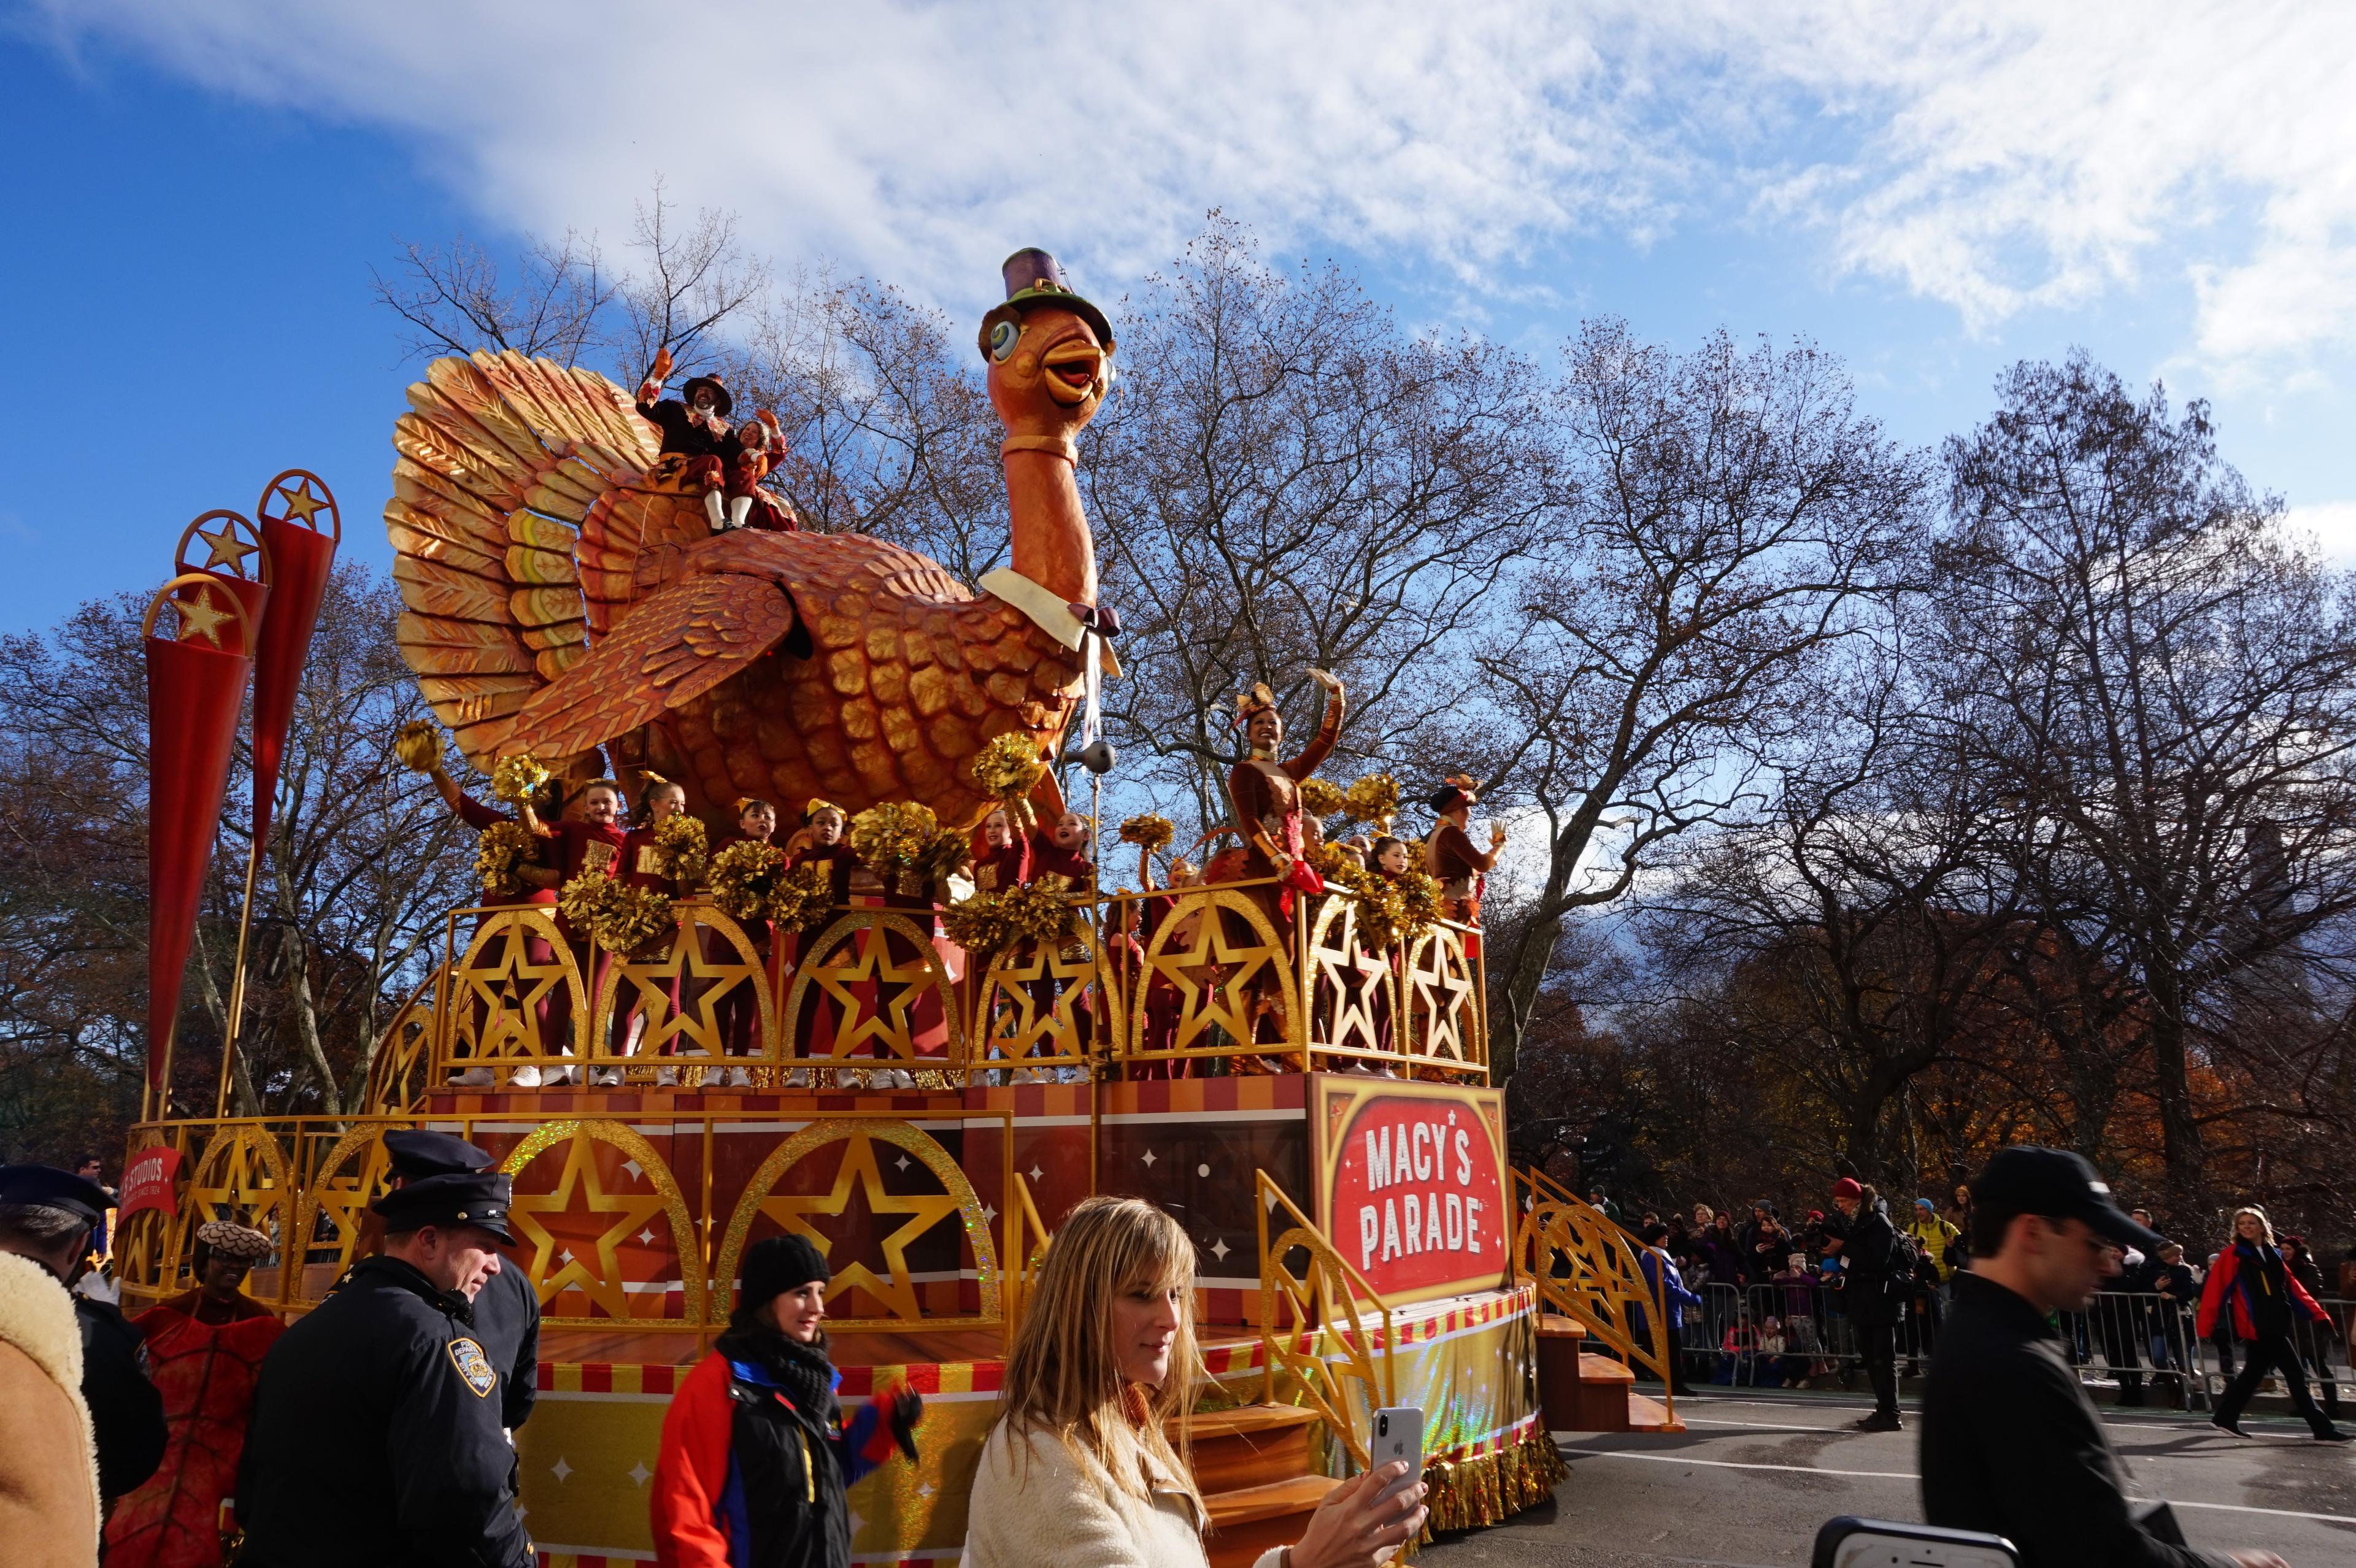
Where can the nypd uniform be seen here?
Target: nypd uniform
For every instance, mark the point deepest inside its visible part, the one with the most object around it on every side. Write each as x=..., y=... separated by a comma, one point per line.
x=376, y=1436
x=506, y=1309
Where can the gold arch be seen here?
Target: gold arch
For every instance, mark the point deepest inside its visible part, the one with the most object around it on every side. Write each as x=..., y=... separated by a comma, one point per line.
x=1360, y=977
x=347, y=1200
x=1441, y=992
x=900, y=1135
x=1204, y=1002
x=547, y=1135
x=511, y=1031
x=1061, y=1027
x=686, y=964
x=895, y=1036
x=211, y=1188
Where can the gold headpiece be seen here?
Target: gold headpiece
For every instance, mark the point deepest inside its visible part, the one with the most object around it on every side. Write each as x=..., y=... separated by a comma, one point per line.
x=809, y=812
x=1258, y=699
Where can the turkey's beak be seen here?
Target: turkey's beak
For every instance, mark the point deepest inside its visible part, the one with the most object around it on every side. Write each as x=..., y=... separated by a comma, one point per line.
x=1072, y=368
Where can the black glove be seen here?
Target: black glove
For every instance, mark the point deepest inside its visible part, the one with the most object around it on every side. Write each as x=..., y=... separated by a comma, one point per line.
x=906, y=1406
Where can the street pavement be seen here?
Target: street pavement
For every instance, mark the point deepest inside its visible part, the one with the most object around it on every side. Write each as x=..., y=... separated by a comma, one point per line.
x=1757, y=1472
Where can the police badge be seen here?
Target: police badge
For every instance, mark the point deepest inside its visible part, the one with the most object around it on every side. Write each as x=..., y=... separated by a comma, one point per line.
x=473, y=1365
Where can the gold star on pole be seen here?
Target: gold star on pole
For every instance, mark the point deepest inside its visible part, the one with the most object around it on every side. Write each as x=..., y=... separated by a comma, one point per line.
x=300, y=502
x=225, y=548
x=199, y=618
x=898, y=1295
x=582, y=1181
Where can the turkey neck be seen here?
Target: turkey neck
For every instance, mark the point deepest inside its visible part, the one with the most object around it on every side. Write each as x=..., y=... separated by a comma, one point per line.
x=1052, y=546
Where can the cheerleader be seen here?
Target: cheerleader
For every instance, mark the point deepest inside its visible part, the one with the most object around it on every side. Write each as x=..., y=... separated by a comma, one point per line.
x=591, y=841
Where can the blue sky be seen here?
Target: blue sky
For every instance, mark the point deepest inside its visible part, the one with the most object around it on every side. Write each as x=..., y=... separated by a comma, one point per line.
x=202, y=191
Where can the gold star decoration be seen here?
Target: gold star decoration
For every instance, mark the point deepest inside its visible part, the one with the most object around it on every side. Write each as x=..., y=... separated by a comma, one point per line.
x=1017, y=1024
x=581, y=1188
x=1442, y=990
x=1206, y=999
x=199, y=618
x=300, y=502
x=224, y=547
x=897, y=1294
x=669, y=1034
x=508, y=992
x=241, y=1176
x=1357, y=977
x=886, y=1019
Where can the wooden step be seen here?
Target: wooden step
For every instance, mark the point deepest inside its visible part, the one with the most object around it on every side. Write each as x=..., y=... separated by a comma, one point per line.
x=1595, y=1369
x=1649, y=1415
x=1248, y=1520
x=1249, y=1447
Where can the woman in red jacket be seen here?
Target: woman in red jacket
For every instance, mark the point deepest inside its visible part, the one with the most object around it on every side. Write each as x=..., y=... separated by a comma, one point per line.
x=756, y=1453
x=2265, y=1296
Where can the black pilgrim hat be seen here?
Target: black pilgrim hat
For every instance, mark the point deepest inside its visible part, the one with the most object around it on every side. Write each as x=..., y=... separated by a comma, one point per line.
x=1033, y=277
x=721, y=401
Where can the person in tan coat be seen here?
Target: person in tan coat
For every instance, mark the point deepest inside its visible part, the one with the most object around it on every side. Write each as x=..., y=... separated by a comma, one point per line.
x=1077, y=1472
x=48, y=1453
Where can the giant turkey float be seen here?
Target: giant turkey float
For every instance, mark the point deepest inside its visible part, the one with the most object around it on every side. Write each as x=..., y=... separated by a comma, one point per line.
x=729, y=1049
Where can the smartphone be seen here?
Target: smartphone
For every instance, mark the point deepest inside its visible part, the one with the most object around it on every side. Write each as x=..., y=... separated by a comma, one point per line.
x=1852, y=1542
x=1399, y=1434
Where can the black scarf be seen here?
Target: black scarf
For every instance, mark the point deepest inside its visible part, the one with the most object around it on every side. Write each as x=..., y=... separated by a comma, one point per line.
x=802, y=1370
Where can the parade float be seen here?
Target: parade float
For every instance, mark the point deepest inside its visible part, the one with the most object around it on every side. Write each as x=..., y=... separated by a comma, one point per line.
x=1295, y=1070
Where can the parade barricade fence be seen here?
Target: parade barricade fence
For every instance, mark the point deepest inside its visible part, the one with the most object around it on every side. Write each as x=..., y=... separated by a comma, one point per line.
x=2143, y=1342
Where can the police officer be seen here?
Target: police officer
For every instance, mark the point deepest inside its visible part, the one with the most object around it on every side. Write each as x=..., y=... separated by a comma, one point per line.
x=507, y=1308
x=376, y=1434
x=126, y=1413
x=2010, y=1442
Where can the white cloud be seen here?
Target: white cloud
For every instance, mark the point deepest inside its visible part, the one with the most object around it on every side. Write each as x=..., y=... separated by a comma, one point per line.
x=2333, y=525
x=2020, y=155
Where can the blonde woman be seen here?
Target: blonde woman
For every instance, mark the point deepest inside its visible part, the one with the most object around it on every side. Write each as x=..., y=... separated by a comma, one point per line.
x=1077, y=1472
x=2266, y=1299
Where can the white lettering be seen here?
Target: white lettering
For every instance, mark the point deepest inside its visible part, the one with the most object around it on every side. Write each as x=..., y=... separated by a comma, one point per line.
x=1413, y=1225
x=1455, y=1220
x=1378, y=1158
x=1370, y=1233
x=1464, y=1158
x=1420, y=1141
x=1472, y=1224
x=1431, y=1224
x=1390, y=1232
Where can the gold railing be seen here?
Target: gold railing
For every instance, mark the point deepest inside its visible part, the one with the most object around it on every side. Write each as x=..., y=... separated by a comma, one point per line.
x=1585, y=1269
x=1329, y=1303
x=403, y=1068
x=1027, y=1241
x=621, y=1227
x=1160, y=984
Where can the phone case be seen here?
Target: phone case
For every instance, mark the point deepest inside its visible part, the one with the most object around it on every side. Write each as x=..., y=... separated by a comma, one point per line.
x=1399, y=1434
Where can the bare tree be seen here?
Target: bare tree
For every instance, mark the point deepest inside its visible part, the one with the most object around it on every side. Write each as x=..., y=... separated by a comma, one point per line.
x=1286, y=479
x=2164, y=677
x=454, y=300
x=1721, y=519
x=690, y=278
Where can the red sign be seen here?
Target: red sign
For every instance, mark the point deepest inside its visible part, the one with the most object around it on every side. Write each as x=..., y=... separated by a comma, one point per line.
x=148, y=1182
x=1411, y=1183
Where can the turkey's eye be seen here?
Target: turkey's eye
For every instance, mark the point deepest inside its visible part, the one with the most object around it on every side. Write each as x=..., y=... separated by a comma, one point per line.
x=1003, y=339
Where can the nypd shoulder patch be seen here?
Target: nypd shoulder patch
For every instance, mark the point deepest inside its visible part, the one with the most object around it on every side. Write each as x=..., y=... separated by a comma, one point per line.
x=473, y=1365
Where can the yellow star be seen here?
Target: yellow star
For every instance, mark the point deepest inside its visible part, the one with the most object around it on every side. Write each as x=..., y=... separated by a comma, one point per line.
x=1207, y=998
x=1017, y=1026
x=898, y=1295
x=1440, y=991
x=508, y=990
x=199, y=619
x=300, y=502
x=603, y=1287
x=1357, y=977
x=886, y=1019
x=225, y=547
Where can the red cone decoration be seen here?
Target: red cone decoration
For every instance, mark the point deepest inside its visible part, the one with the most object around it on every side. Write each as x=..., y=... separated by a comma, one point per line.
x=233, y=555
x=301, y=554
x=196, y=685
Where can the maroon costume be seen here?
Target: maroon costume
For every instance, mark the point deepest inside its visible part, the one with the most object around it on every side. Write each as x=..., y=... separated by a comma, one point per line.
x=1460, y=869
x=1267, y=798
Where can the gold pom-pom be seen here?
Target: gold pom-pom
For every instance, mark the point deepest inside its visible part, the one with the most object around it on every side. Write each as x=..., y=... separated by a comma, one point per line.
x=622, y=919
x=1320, y=798
x=1373, y=797
x=1034, y=912
x=978, y=924
x=889, y=838
x=500, y=854
x=803, y=897
x=742, y=876
x=1009, y=767
x=518, y=778
x=418, y=746
x=1390, y=910
x=1418, y=902
x=685, y=845
x=1149, y=832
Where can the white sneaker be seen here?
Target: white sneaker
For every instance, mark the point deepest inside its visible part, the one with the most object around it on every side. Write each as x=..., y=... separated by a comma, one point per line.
x=903, y=1079
x=666, y=1077
x=799, y=1078
x=524, y=1077
x=739, y=1078
x=563, y=1075
x=605, y=1077
x=474, y=1077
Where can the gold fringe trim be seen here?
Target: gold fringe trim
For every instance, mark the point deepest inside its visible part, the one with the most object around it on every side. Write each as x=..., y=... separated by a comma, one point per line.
x=1469, y=1493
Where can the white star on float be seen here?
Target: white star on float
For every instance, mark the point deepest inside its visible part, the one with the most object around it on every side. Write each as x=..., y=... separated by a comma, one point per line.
x=633, y=1167
x=1036, y=1173
x=645, y=1238
x=901, y=1163
x=566, y=1254
x=1149, y=1159
x=225, y=549
x=924, y=1488
x=561, y=1467
x=989, y=1214
x=638, y=1473
x=1219, y=1249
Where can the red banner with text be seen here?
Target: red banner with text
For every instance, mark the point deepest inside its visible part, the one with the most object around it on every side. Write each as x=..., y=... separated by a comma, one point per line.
x=148, y=1182
x=1411, y=1183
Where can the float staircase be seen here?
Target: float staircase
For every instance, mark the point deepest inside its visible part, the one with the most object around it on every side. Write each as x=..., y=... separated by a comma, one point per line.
x=1252, y=1464
x=1591, y=1295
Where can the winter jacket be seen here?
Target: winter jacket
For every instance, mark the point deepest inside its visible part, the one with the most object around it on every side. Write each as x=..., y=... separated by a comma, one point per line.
x=2265, y=1296
x=1668, y=1287
x=1871, y=1295
x=48, y=1461
x=1932, y=1237
x=755, y=1458
x=1722, y=1256
x=1036, y=1505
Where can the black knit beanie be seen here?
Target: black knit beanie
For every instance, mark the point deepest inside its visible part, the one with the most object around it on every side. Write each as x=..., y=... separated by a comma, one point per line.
x=774, y=1266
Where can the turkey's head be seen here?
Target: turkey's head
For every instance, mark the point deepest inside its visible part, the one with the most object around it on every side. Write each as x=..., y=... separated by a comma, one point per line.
x=1048, y=370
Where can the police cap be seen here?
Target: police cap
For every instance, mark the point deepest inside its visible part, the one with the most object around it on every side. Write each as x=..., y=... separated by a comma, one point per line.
x=472, y=1197
x=417, y=1155
x=2057, y=1184
x=47, y=1187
